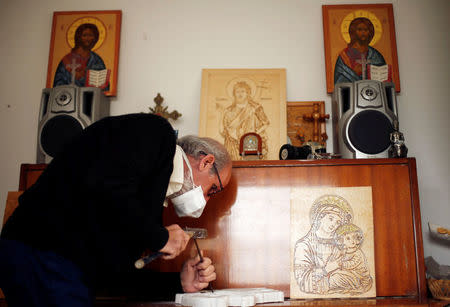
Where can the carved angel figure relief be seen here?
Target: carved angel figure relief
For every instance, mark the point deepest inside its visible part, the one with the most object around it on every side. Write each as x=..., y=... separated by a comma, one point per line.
x=330, y=260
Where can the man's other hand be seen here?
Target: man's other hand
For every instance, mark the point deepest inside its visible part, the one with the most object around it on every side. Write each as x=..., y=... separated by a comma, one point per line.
x=196, y=275
x=178, y=239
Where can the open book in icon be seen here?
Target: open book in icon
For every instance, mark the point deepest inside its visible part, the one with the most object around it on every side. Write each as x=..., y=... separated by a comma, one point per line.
x=98, y=78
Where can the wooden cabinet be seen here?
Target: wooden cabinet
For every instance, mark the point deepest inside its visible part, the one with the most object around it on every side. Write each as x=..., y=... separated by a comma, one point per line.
x=249, y=223
x=29, y=173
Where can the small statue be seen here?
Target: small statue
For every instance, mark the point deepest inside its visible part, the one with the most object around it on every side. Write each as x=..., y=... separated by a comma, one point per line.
x=398, y=148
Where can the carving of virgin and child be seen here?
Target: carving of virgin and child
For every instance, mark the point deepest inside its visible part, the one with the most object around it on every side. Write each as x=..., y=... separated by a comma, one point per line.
x=322, y=264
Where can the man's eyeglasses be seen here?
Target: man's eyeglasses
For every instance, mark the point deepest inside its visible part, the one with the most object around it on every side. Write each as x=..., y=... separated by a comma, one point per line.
x=214, y=189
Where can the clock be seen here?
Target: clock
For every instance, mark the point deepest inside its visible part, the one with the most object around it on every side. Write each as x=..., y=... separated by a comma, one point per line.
x=250, y=144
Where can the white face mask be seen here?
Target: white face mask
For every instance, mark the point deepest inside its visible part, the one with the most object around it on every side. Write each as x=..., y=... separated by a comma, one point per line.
x=192, y=202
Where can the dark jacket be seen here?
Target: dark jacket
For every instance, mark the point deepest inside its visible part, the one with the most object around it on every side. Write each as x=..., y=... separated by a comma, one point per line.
x=99, y=203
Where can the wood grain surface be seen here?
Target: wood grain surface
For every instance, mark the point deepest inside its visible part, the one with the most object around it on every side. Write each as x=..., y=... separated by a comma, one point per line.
x=249, y=223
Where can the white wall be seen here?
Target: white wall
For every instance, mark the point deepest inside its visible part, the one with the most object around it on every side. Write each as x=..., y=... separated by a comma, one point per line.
x=166, y=43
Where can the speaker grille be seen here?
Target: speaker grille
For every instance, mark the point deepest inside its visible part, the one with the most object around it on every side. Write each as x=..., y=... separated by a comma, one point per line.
x=369, y=132
x=58, y=131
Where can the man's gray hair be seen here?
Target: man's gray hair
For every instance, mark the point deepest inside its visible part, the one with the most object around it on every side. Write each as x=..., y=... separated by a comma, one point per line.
x=194, y=145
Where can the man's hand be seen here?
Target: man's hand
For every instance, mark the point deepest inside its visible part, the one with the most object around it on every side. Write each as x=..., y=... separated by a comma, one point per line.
x=178, y=239
x=196, y=275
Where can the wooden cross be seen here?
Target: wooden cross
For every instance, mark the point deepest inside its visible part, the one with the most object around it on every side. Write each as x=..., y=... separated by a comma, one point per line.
x=162, y=111
x=363, y=63
x=316, y=118
x=73, y=67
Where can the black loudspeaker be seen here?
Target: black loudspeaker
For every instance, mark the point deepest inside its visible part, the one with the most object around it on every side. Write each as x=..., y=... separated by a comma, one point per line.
x=363, y=114
x=64, y=112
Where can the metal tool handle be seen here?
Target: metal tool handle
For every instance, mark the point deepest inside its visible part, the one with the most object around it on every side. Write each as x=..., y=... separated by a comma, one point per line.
x=198, y=250
x=139, y=264
x=192, y=232
x=201, y=260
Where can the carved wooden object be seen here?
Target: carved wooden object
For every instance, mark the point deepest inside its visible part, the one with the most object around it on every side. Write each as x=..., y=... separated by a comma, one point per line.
x=299, y=128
